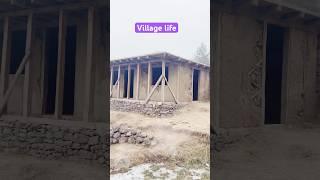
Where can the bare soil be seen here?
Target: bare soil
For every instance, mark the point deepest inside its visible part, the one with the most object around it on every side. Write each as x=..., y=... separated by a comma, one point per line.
x=186, y=134
x=273, y=152
x=19, y=167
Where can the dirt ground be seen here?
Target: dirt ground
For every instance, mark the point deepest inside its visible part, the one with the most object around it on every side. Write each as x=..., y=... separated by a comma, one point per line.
x=184, y=133
x=269, y=153
x=19, y=167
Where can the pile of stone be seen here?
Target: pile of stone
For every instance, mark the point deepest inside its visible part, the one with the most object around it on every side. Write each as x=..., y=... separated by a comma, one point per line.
x=150, y=109
x=54, y=141
x=123, y=134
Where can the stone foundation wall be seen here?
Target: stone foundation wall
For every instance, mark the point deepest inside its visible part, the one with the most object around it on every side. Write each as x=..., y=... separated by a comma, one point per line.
x=55, y=141
x=150, y=109
x=123, y=134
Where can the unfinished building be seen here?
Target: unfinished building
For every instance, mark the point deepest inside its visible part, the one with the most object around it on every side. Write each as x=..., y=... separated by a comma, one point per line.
x=266, y=62
x=160, y=77
x=53, y=59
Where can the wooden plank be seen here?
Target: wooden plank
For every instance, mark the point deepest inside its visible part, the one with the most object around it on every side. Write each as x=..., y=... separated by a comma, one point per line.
x=118, y=93
x=163, y=81
x=27, y=89
x=5, y=59
x=174, y=97
x=149, y=76
x=111, y=81
x=153, y=89
x=89, y=81
x=14, y=81
x=138, y=80
x=61, y=64
x=129, y=81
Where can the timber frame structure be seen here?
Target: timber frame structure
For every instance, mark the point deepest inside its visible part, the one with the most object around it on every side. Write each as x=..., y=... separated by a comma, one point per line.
x=133, y=78
x=79, y=31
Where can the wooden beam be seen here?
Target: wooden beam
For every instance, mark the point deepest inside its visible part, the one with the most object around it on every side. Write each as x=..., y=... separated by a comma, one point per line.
x=4, y=100
x=5, y=59
x=163, y=81
x=118, y=92
x=111, y=81
x=174, y=97
x=149, y=76
x=27, y=89
x=138, y=80
x=89, y=74
x=153, y=89
x=129, y=81
x=61, y=64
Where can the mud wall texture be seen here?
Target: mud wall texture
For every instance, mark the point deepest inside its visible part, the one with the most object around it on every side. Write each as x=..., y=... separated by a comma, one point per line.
x=239, y=71
x=240, y=67
x=55, y=140
x=150, y=109
x=300, y=91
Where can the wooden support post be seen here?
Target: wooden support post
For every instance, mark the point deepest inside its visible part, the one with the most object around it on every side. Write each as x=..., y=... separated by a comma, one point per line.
x=178, y=82
x=149, y=76
x=13, y=82
x=118, y=91
x=174, y=97
x=5, y=59
x=89, y=81
x=27, y=89
x=129, y=81
x=153, y=89
x=163, y=81
x=138, y=80
x=111, y=81
x=61, y=64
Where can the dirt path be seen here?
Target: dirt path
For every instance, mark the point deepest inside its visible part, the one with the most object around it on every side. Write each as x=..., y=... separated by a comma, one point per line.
x=270, y=153
x=18, y=167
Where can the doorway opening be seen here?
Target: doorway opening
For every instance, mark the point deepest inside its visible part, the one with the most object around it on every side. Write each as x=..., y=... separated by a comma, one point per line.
x=69, y=71
x=125, y=87
x=126, y=80
x=50, y=70
x=195, y=83
x=274, y=67
x=18, y=45
x=131, y=83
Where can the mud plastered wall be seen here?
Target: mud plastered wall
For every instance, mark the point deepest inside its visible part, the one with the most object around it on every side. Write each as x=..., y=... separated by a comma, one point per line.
x=240, y=70
x=55, y=140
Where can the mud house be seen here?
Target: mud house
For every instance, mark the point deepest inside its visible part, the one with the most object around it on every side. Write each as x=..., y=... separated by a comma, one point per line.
x=53, y=59
x=266, y=62
x=160, y=77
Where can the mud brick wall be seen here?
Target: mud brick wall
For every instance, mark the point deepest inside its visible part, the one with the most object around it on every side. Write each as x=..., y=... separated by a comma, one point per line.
x=61, y=140
x=150, y=109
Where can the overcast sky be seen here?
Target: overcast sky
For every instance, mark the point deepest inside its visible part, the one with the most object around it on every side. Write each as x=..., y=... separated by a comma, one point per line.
x=193, y=17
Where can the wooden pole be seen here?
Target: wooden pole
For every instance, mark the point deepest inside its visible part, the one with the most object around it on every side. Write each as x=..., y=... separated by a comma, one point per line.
x=118, y=93
x=149, y=76
x=153, y=89
x=178, y=82
x=138, y=80
x=27, y=93
x=163, y=81
x=174, y=97
x=5, y=59
x=61, y=64
x=89, y=81
x=129, y=81
x=111, y=81
x=14, y=81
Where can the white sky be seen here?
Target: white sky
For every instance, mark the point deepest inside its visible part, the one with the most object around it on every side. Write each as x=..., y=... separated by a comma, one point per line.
x=193, y=17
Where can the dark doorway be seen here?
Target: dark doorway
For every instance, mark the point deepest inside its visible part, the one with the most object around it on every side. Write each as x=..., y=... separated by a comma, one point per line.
x=125, y=87
x=18, y=46
x=131, y=83
x=195, y=87
x=69, y=71
x=273, y=83
x=50, y=70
